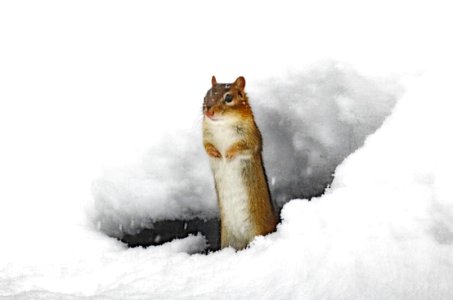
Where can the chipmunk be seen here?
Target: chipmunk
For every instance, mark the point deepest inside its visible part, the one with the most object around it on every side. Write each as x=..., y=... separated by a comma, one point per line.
x=234, y=145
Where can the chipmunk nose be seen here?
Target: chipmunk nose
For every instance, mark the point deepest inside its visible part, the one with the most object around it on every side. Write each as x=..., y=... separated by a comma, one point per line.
x=209, y=112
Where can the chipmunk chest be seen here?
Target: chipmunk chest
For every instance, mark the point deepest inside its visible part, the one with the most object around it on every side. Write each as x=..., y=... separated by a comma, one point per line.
x=223, y=135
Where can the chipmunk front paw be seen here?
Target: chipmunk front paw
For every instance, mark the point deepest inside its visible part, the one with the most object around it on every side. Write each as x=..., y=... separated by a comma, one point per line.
x=236, y=149
x=212, y=151
x=231, y=154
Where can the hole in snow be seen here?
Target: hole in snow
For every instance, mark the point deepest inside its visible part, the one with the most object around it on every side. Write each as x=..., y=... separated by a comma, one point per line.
x=168, y=230
x=310, y=121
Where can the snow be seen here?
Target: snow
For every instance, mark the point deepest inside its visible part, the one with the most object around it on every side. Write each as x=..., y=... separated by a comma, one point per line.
x=105, y=97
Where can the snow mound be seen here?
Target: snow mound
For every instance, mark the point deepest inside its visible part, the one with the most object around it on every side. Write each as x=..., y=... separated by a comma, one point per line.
x=383, y=230
x=310, y=122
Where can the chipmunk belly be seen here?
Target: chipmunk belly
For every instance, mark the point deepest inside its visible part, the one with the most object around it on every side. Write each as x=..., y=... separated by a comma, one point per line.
x=233, y=199
x=232, y=191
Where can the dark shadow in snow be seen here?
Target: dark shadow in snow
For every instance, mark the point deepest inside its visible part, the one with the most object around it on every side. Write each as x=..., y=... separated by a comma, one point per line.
x=165, y=231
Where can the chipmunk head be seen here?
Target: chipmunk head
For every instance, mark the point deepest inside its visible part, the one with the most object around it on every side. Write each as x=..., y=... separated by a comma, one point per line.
x=226, y=100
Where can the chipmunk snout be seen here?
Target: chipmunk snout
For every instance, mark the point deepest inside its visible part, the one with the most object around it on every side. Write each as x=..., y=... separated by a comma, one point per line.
x=209, y=108
x=209, y=113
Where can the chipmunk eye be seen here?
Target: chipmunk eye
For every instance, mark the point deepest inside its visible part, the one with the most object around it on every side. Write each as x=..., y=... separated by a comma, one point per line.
x=228, y=98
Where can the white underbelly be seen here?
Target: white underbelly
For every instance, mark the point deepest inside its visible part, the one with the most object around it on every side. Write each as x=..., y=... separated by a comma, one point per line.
x=233, y=196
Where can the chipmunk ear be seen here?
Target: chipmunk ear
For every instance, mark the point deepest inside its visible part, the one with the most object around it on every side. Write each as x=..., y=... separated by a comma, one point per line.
x=240, y=83
x=213, y=80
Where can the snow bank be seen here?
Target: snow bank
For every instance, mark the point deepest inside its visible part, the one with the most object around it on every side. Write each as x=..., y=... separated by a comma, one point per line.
x=310, y=122
x=382, y=231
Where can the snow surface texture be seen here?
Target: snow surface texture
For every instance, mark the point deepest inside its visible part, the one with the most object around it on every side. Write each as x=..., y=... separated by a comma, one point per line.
x=76, y=79
x=310, y=122
x=383, y=230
